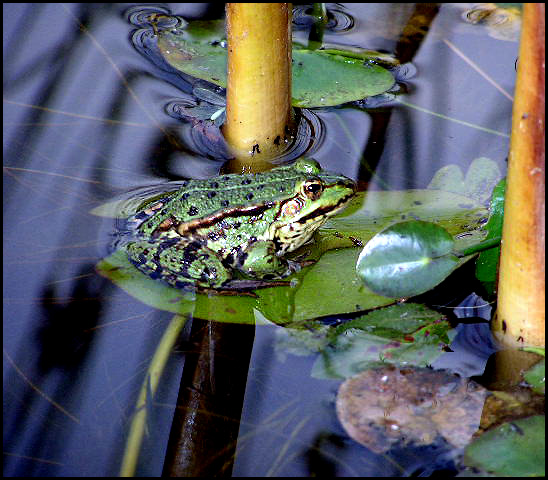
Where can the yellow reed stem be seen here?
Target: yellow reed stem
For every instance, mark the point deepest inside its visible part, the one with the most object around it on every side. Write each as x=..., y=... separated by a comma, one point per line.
x=259, y=78
x=520, y=315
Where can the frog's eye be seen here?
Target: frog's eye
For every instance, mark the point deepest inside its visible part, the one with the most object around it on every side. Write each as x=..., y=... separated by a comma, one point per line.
x=313, y=189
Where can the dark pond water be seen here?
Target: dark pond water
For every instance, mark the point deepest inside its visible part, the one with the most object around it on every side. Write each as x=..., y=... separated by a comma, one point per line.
x=85, y=121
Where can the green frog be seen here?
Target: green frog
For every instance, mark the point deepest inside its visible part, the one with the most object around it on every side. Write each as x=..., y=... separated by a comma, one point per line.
x=203, y=233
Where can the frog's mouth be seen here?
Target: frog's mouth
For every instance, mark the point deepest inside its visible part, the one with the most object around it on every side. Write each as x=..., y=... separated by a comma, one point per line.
x=292, y=236
x=327, y=211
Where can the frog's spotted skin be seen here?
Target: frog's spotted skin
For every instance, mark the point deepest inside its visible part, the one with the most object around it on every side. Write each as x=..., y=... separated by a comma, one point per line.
x=209, y=228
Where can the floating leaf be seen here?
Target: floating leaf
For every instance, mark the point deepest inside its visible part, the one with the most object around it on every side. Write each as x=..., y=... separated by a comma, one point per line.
x=322, y=80
x=349, y=51
x=395, y=322
x=119, y=270
x=203, y=60
x=403, y=334
x=480, y=180
x=515, y=449
x=386, y=407
x=319, y=79
x=407, y=259
x=342, y=292
x=201, y=32
x=371, y=212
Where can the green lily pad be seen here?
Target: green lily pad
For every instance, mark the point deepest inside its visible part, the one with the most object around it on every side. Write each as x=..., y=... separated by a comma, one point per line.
x=119, y=270
x=515, y=449
x=402, y=334
x=202, y=60
x=203, y=31
x=487, y=263
x=394, y=322
x=281, y=305
x=407, y=259
x=331, y=287
x=320, y=79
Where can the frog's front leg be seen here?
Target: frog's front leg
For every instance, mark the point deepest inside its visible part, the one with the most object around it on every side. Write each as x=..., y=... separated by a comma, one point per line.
x=259, y=260
x=179, y=262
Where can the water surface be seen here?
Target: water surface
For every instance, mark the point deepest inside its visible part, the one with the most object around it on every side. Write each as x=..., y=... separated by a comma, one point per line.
x=84, y=121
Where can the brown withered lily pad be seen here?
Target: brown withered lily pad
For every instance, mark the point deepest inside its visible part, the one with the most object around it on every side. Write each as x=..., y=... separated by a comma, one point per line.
x=388, y=406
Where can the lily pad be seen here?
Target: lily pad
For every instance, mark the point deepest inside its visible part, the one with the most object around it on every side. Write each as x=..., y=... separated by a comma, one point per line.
x=119, y=270
x=403, y=334
x=396, y=322
x=203, y=60
x=281, y=305
x=387, y=406
x=334, y=273
x=348, y=51
x=515, y=449
x=369, y=213
x=482, y=176
x=320, y=79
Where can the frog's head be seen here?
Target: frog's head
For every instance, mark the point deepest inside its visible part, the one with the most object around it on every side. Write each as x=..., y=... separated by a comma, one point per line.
x=317, y=195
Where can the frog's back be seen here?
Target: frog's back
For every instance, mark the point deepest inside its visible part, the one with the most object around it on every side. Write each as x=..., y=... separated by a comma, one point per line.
x=201, y=198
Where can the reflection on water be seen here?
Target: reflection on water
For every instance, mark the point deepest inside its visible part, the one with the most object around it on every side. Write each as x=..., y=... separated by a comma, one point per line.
x=84, y=121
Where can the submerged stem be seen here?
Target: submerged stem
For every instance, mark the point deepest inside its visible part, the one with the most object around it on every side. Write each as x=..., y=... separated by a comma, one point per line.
x=146, y=395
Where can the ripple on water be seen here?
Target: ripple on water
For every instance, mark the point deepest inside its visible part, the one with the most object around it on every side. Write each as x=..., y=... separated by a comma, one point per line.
x=337, y=20
x=154, y=16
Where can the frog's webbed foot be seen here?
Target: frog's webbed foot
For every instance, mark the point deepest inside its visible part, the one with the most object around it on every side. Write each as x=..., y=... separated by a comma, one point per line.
x=302, y=261
x=296, y=265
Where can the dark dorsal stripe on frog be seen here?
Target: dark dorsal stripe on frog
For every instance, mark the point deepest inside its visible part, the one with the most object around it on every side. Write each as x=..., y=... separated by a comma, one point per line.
x=188, y=228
